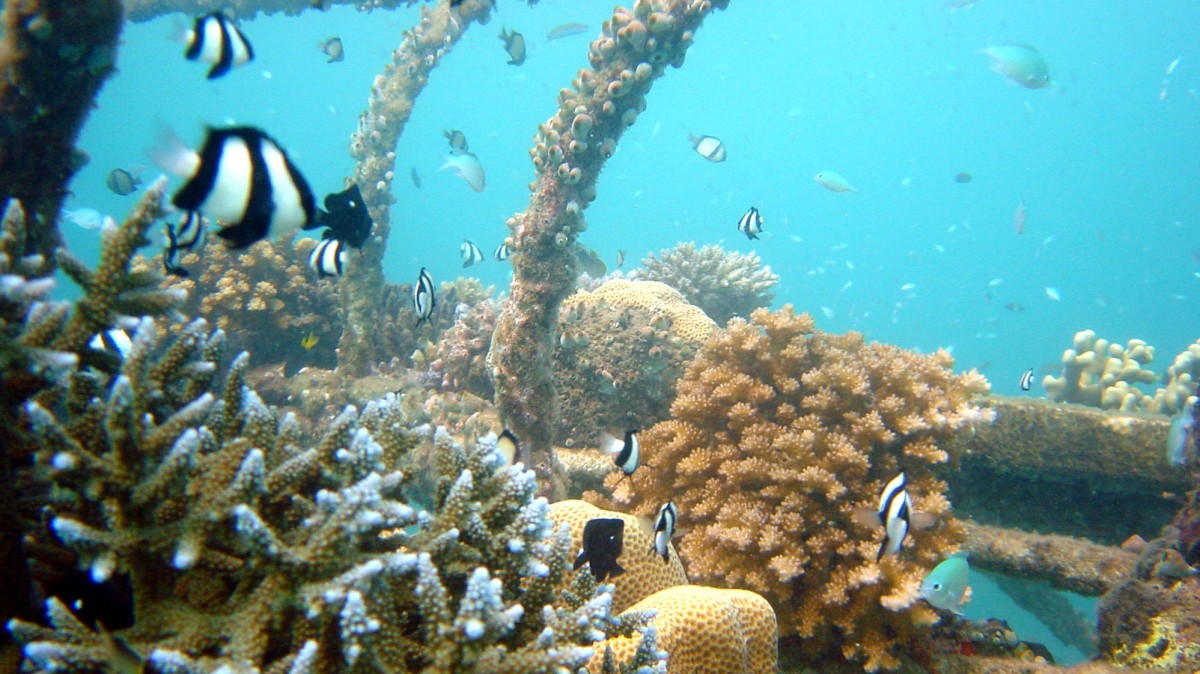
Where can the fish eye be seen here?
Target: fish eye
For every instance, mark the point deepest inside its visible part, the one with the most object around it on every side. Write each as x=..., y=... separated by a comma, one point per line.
x=937, y=587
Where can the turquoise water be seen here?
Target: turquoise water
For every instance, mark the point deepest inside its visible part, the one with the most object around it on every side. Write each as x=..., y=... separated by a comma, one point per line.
x=895, y=96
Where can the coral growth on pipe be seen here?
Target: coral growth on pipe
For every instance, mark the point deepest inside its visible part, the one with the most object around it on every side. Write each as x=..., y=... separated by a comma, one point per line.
x=54, y=56
x=145, y=10
x=373, y=146
x=569, y=151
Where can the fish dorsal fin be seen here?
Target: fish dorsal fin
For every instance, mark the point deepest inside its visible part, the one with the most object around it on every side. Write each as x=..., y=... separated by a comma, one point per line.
x=921, y=520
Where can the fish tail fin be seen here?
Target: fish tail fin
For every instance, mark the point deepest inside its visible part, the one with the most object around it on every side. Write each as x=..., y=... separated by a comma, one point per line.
x=171, y=154
x=180, y=32
x=883, y=546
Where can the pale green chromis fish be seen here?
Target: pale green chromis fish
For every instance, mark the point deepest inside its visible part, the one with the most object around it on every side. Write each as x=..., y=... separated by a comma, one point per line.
x=946, y=586
x=1021, y=64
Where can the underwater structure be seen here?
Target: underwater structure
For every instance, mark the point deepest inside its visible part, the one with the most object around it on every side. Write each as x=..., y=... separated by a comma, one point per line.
x=161, y=514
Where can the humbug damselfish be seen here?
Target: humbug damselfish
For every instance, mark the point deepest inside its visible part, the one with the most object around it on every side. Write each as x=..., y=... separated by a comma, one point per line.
x=242, y=178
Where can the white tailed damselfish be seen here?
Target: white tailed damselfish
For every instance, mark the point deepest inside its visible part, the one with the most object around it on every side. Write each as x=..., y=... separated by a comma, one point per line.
x=1027, y=380
x=471, y=255
x=509, y=447
x=603, y=539
x=423, y=298
x=626, y=452
x=895, y=515
x=750, y=223
x=502, y=252
x=215, y=39
x=664, y=529
x=244, y=179
x=328, y=258
x=709, y=147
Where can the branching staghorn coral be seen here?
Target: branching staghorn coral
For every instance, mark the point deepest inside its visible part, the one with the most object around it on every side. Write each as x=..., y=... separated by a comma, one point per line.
x=778, y=434
x=722, y=283
x=249, y=550
x=54, y=56
x=373, y=146
x=569, y=152
x=42, y=341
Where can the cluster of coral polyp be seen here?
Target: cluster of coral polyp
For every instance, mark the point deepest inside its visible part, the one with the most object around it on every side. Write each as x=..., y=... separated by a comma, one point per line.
x=778, y=434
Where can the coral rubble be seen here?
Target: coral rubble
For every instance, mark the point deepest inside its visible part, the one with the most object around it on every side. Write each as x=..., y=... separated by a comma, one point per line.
x=621, y=348
x=722, y=283
x=778, y=434
x=570, y=149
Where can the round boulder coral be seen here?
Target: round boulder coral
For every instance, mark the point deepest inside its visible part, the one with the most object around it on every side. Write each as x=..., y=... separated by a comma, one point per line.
x=722, y=283
x=780, y=435
x=621, y=348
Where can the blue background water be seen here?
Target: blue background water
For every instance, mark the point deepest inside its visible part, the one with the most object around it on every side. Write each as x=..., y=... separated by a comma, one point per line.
x=893, y=95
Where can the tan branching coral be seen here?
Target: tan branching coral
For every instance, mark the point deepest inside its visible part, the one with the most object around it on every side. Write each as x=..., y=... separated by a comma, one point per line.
x=265, y=295
x=722, y=283
x=778, y=434
x=621, y=348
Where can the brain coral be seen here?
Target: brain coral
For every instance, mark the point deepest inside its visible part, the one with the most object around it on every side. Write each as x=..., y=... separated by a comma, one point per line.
x=777, y=435
x=620, y=351
x=722, y=283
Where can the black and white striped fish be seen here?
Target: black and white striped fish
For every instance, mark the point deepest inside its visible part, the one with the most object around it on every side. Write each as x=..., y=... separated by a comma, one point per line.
x=664, y=529
x=215, y=39
x=186, y=236
x=471, y=255
x=243, y=178
x=709, y=147
x=509, y=447
x=328, y=258
x=423, y=297
x=626, y=452
x=502, y=252
x=1027, y=380
x=750, y=223
x=895, y=515
x=115, y=342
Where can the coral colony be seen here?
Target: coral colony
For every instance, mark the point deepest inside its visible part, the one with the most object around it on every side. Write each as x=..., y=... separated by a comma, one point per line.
x=180, y=497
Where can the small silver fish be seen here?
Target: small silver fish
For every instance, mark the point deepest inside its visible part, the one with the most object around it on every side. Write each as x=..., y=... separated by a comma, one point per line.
x=834, y=182
x=416, y=179
x=565, y=30
x=333, y=49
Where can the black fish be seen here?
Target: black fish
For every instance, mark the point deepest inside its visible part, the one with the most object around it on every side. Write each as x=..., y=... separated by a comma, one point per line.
x=603, y=539
x=215, y=39
x=328, y=258
x=347, y=217
x=423, y=297
x=246, y=179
